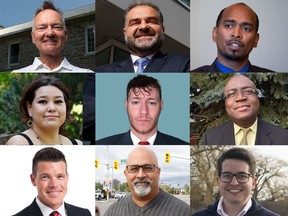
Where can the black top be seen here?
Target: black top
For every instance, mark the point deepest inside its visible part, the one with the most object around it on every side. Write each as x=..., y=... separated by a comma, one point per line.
x=73, y=141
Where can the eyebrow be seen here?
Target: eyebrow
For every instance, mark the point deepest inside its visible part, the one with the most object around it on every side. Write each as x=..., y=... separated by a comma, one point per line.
x=44, y=96
x=241, y=23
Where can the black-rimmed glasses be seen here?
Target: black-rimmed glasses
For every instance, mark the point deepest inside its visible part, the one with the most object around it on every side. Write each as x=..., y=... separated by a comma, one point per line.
x=147, y=168
x=232, y=94
x=241, y=177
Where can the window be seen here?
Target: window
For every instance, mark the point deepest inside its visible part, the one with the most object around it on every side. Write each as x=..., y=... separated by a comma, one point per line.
x=185, y=3
x=13, y=53
x=90, y=39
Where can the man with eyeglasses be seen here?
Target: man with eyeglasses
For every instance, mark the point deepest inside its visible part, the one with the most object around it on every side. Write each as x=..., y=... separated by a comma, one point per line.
x=245, y=127
x=236, y=179
x=143, y=173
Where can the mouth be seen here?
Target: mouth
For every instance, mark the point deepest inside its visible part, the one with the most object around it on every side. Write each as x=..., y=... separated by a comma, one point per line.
x=234, y=190
x=242, y=107
x=51, y=116
x=53, y=193
x=236, y=45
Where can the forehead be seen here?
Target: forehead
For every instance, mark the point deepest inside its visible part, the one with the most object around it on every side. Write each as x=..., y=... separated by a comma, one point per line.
x=141, y=11
x=235, y=166
x=48, y=91
x=238, y=82
x=51, y=167
x=48, y=15
x=240, y=13
x=141, y=156
x=144, y=92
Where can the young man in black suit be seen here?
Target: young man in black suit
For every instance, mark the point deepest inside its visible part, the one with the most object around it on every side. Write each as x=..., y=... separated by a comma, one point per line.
x=143, y=104
x=235, y=34
x=144, y=36
x=244, y=127
x=49, y=175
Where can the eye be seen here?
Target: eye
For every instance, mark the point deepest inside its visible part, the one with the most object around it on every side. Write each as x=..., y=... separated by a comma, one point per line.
x=44, y=177
x=135, y=102
x=153, y=103
x=247, y=29
x=42, y=101
x=59, y=101
x=61, y=177
x=58, y=27
x=230, y=94
x=40, y=28
x=228, y=26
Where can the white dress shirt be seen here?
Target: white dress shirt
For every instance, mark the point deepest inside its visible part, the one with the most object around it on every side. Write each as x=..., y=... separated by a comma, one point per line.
x=38, y=66
x=134, y=58
x=46, y=211
x=220, y=209
x=136, y=140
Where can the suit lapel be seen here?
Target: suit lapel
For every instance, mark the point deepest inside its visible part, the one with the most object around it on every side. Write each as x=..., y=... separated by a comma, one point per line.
x=125, y=66
x=156, y=63
x=34, y=209
x=227, y=132
x=262, y=135
x=125, y=139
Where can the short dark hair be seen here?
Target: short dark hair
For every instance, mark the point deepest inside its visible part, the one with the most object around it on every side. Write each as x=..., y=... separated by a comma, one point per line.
x=29, y=94
x=143, y=3
x=238, y=154
x=48, y=154
x=49, y=5
x=143, y=82
x=222, y=11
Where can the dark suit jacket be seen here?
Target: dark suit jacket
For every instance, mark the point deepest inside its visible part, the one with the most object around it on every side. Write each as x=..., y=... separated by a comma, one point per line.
x=213, y=68
x=159, y=63
x=125, y=139
x=34, y=210
x=267, y=134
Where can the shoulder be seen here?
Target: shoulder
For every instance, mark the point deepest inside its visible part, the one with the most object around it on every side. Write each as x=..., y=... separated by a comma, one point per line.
x=24, y=69
x=170, y=140
x=81, y=70
x=17, y=140
x=112, y=67
x=272, y=127
x=205, y=68
x=112, y=140
x=254, y=68
x=202, y=212
x=77, y=210
x=117, y=206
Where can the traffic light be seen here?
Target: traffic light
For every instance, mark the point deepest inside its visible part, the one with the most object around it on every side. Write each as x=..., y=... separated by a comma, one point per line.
x=167, y=158
x=96, y=163
x=115, y=165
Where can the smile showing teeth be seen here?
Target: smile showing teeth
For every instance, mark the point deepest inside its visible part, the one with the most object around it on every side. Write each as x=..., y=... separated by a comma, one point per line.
x=234, y=191
x=235, y=45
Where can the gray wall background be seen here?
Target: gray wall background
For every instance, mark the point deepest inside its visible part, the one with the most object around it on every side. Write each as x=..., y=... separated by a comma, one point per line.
x=273, y=29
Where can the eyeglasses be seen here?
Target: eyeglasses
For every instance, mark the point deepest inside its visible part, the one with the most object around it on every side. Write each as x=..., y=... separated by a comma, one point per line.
x=244, y=92
x=147, y=168
x=241, y=177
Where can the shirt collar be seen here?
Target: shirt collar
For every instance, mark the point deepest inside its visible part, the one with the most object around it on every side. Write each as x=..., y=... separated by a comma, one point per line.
x=65, y=65
x=46, y=210
x=225, y=69
x=136, y=140
x=253, y=127
x=134, y=57
x=220, y=209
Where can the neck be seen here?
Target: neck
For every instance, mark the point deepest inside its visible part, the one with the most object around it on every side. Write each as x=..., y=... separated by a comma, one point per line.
x=232, y=209
x=143, y=136
x=47, y=137
x=235, y=65
x=52, y=61
x=142, y=54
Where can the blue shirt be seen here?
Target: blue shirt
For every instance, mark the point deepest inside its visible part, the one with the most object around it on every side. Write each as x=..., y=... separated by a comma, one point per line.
x=225, y=69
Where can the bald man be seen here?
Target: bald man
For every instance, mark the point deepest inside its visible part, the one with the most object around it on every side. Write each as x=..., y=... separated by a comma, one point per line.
x=235, y=34
x=142, y=174
x=245, y=127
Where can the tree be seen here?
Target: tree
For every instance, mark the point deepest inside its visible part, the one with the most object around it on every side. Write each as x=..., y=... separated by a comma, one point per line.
x=207, y=107
x=186, y=188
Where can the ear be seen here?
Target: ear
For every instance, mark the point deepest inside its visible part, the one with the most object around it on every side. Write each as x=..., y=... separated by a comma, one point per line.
x=217, y=178
x=28, y=106
x=126, y=104
x=32, y=35
x=253, y=183
x=124, y=31
x=162, y=104
x=256, y=40
x=214, y=34
x=66, y=35
x=33, y=179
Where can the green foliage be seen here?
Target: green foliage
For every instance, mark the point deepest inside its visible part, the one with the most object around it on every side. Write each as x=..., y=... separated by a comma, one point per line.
x=11, y=89
x=207, y=106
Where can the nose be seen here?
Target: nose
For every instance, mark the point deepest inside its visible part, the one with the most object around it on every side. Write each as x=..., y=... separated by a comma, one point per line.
x=50, y=32
x=144, y=108
x=237, y=32
x=240, y=97
x=141, y=174
x=51, y=107
x=53, y=182
x=143, y=25
x=234, y=181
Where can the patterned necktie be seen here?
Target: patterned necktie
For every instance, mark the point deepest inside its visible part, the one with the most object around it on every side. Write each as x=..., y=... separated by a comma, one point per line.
x=244, y=141
x=55, y=213
x=141, y=63
x=144, y=143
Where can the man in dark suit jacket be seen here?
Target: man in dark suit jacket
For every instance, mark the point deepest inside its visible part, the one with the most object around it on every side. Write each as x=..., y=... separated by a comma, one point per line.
x=144, y=36
x=242, y=106
x=143, y=104
x=235, y=34
x=49, y=175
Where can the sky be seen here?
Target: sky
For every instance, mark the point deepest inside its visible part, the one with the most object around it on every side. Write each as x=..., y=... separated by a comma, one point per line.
x=177, y=172
x=14, y=12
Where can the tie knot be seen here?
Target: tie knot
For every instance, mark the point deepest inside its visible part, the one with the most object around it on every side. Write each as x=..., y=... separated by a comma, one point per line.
x=55, y=213
x=141, y=63
x=144, y=143
x=244, y=140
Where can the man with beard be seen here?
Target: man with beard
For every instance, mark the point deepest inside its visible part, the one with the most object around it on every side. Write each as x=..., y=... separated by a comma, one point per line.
x=144, y=35
x=142, y=174
x=143, y=104
x=236, y=179
x=242, y=105
x=235, y=34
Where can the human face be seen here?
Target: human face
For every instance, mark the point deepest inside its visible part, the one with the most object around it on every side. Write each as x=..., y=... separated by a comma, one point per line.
x=235, y=193
x=242, y=110
x=236, y=34
x=144, y=34
x=48, y=108
x=143, y=108
x=48, y=33
x=143, y=184
x=51, y=181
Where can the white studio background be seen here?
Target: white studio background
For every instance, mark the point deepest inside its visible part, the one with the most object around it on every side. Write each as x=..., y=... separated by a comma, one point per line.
x=272, y=47
x=18, y=191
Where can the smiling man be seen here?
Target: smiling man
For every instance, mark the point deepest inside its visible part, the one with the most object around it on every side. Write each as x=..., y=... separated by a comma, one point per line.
x=143, y=174
x=236, y=180
x=49, y=34
x=235, y=34
x=245, y=127
x=50, y=177
x=144, y=35
x=143, y=104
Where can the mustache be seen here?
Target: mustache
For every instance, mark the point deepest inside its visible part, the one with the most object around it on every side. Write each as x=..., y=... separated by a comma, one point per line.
x=141, y=33
x=144, y=180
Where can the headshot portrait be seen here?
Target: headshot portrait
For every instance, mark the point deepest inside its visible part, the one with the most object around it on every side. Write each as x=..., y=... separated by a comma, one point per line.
x=43, y=109
x=241, y=109
x=228, y=180
x=114, y=113
x=166, y=176
x=30, y=188
x=218, y=48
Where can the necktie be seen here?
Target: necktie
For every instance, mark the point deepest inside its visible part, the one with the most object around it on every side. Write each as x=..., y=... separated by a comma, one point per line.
x=55, y=213
x=141, y=63
x=244, y=141
x=144, y=143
